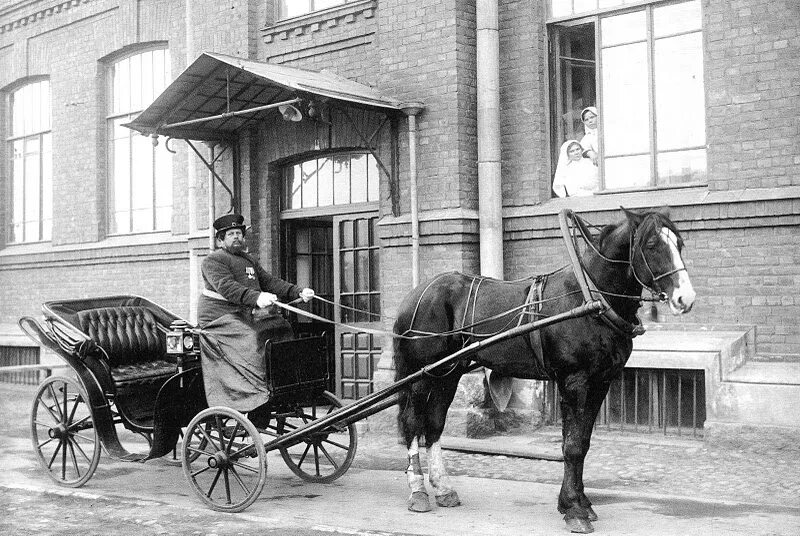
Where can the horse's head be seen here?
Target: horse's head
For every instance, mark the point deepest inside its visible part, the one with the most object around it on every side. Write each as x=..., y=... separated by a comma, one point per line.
x=656, y=259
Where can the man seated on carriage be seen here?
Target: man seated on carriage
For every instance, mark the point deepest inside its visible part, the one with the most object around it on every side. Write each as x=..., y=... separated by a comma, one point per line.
x=237, y=316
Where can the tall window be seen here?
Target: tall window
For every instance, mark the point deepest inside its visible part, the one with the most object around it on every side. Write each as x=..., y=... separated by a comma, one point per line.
x=140, y=174
x=294, y=8
x=30, y=148
x=650, y=96
x=336, y=180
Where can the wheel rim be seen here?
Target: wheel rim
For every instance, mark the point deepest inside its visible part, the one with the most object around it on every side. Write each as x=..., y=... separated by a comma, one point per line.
x=322, y=456
x=224, y=459
x=64, y=438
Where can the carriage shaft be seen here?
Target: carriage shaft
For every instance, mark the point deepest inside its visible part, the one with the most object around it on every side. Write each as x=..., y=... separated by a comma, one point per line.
x=363, y=407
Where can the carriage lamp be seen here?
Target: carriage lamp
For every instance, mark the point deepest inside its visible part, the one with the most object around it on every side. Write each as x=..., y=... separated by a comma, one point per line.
x=182, y=339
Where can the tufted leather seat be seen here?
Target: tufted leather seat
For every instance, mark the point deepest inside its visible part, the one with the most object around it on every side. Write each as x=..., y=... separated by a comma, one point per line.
x=131, y=338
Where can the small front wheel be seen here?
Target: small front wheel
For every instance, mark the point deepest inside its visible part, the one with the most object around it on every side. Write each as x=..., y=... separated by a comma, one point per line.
x=64, y=438
x=321, y=456
x=223, y=459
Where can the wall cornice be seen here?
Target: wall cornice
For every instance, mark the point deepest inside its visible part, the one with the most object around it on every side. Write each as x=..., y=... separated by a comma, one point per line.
x=314, y=22
x=38, y=15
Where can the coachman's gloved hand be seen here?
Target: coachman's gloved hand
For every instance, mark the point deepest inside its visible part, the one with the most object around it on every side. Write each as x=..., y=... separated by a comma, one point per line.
x=307, y=295
x=265, y=299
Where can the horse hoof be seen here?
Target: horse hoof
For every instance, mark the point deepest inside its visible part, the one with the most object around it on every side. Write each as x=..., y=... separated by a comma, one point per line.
x=579, y=525
x=592, y=514
x=419, y=502
x=448, y=500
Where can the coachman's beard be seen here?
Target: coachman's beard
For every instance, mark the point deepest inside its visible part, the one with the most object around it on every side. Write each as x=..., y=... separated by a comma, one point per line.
x=238, y=247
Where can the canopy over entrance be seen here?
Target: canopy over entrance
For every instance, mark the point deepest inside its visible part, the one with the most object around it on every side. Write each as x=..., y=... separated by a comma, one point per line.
x=217, y=95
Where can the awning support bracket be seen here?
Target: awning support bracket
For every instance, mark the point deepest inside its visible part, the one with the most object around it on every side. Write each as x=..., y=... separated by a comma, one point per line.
x=212, y=169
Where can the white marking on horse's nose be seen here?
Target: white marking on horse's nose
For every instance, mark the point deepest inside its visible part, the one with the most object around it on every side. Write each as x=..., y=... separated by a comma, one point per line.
x=683, y=294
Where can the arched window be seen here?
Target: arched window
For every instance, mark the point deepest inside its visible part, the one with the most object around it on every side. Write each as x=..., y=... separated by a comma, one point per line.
x=30, y=148
x=339, y=179
x=140, y=174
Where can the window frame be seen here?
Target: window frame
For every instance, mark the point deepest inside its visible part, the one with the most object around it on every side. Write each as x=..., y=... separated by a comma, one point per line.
x=554, y=25
x=279, y=8
x=112, y=119
x=40, y=133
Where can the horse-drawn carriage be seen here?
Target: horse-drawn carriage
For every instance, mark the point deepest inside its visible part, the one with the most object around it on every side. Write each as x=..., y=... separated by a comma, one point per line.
x=138, y=365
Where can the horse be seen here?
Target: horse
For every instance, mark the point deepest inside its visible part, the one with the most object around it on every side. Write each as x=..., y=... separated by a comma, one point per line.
x=582, y=355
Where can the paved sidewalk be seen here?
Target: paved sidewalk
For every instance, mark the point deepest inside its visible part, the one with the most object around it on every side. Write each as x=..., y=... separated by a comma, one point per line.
x=675, y=480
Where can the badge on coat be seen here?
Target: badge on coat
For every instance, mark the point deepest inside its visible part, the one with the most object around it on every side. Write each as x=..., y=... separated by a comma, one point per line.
x=251, y=272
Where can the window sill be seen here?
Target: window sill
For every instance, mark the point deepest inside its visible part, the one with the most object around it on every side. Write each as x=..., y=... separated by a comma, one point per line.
x=116, y=241
x=318, y=20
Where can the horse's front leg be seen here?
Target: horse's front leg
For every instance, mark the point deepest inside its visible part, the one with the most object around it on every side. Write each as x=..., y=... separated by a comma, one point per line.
x=446, y=496
x=571, y=499
x=594, y=400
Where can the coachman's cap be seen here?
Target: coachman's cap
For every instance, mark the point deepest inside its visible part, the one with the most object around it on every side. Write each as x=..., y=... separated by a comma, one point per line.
x=229, y=221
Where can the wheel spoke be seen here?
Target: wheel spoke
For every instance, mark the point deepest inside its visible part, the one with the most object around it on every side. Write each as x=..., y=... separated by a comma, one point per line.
x=76, y=424
x=240, y=481
x=45, y=443
x=227, y=485
x=49, y=409
x=246, y=467
x=74, y=408
x=335, y=443
x=55, y=404
x=77, y=446
x=90, y=439
x=214, y=483
x=207, y=436
x=233, y=435
x=74, y=459
x=53, y=458
x=303, y=456
x=221, y=428
x=316, y=460
x=203, y=470
x=328, y=456
x=196, y=451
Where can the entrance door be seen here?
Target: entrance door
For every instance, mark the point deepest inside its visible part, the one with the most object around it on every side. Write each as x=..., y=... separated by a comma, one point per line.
x=356, y=276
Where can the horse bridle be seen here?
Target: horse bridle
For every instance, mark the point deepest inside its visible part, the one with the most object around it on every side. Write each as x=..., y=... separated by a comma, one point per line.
x=658, y=294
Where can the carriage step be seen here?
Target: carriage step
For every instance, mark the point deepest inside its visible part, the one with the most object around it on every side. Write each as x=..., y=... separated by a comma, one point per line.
x=503, y=448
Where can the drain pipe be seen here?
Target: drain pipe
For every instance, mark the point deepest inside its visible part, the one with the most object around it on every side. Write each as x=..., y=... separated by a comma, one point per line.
x=412, y=109
x=490, y=193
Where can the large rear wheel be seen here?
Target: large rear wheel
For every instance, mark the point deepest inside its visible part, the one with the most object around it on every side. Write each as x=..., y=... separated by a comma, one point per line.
x=64, y=438
x=321, y=456
x=224, y=459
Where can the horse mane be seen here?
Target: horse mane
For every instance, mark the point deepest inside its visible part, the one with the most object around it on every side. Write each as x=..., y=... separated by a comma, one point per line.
x=649, y=225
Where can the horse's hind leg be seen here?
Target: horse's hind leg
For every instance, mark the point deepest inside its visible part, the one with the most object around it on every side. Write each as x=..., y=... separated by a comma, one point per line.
x=411, y=422
x=441, y=397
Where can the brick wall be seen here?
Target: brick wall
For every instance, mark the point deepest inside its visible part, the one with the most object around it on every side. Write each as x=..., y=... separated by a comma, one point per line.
x=753, y=92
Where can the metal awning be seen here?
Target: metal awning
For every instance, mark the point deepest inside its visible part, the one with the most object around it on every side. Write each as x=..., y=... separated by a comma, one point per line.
x=217, y=95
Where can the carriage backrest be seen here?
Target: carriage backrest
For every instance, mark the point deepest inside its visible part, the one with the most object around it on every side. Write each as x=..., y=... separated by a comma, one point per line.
x=128, y=333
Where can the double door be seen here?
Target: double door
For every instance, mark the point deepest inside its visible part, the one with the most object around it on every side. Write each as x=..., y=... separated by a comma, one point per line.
x=338, y=257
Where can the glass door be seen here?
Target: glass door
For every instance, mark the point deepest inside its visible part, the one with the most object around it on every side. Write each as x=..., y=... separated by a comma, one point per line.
x=356, y=277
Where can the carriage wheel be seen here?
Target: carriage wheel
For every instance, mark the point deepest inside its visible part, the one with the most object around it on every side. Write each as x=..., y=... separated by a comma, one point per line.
x=175, y=456
x=63, y=433
x=321, y=456
x=224, y=459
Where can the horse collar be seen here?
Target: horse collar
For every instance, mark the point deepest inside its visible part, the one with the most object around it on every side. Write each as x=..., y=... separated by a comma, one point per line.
x=588, y=287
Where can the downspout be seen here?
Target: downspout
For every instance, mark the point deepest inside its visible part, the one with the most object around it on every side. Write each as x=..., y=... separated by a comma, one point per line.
x=490, y=192
x=191, y=179
x=412, y=109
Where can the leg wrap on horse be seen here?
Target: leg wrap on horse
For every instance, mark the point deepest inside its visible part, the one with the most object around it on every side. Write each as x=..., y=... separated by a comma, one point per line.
x=437, y=473
x=418, y=500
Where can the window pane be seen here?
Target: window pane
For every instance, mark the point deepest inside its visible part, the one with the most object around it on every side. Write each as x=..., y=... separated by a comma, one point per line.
x=346, y=234
x=325, y=182
x=294, y=181
x=362, y=270
x=676, y=18
x=341, y=179
x=627, y=172
x=309, y=170
x=680, y=103
x=625, y=28
x=293, y=8
x=358, y=178
x=135, y=83
x=348, y=271
x=146, y=79
x=682, y=166
x=142, y=184
x=362, y=233
x=324, y=4
x=373, y=178
x=625, y=109
x=561, y=8
x=163, y=187
x=18, y=187
x=47, y=187
x=581, y=6
x=32, y=188
x=374, y=270
x=576, y=49
x=302, y=241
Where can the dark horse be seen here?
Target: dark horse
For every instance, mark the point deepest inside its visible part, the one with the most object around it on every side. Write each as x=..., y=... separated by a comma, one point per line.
x=582, y=355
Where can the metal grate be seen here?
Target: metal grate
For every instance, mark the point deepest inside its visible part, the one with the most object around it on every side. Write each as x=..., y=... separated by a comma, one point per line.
x=667, y=401
x=20, y=355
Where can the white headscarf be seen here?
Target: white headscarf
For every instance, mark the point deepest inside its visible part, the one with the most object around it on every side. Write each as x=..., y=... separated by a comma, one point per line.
x=586, y=129
x=574, y=178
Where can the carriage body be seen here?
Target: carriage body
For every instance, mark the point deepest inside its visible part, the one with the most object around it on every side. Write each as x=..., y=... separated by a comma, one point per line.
x=136, y=366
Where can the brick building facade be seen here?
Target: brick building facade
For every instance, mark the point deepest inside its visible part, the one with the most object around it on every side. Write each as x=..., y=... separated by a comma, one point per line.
x=739, y=220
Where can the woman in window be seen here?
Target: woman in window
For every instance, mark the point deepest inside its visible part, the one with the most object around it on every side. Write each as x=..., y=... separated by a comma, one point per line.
x=589, y=143
x=575, y=175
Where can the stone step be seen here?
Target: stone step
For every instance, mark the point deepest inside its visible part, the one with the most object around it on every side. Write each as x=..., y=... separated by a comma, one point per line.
x=758, y=404
x=767, y=372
